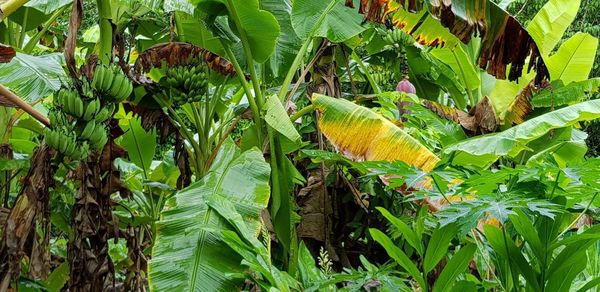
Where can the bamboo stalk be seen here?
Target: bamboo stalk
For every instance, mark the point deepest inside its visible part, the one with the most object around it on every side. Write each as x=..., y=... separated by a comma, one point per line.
x=17, y=101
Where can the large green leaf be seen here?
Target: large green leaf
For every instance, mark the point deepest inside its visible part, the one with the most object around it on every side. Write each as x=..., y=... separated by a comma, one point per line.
x=33, y=77
x=574, y=92
x=362, y=134
x=398, y=255
x=140, y=145
x=340, y=24
x=460, y=63
x=551, y=22
x=574, y=59
x=278, y=119
x=260, y=26
x=288, y=43
x=188, y=254
x=35, y=12
x=456, y=266
x=484, y=150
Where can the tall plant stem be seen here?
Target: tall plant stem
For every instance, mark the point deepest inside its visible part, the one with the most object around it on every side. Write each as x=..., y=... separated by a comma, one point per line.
x=246, y=86
x=300, y=56
x=305, y=110
x=105, y=43
x=249, y=59
x=23, y=28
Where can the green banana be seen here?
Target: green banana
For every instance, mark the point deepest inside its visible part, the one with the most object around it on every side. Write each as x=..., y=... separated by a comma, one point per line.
x=99, y=145
x=115, y=87
x=78, y=105
x=62, y=143
x=98, y=78
x=71, y=143
x=108, y=79
x=91, y=109
x=88, y=130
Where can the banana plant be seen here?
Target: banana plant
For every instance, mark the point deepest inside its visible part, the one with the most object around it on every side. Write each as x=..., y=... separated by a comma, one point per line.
x=235, y=189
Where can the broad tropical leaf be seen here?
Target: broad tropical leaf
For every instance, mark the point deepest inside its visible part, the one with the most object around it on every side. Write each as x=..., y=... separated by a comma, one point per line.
x=574, y=59
x=200, y=261
x=361, y=134
x=33, y=77
x=338, y=25
x=572, y=93
x=484, y=150
x=499, y=31
x=279, y=120
x=551, y=22
x=139, y=143
x=288, y=42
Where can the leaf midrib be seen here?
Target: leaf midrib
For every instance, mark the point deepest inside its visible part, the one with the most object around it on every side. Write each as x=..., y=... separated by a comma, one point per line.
x=200, y=247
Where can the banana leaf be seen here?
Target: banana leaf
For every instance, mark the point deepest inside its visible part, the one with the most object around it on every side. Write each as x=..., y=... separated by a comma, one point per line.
x=362, y=134
x=188, y=253
x=484, y=150
x=503, y=40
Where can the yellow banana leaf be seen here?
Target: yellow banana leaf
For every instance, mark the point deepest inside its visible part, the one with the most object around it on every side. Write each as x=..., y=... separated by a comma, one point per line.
x=362, y=134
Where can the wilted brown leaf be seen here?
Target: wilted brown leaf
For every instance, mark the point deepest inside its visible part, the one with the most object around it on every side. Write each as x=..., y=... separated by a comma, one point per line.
x=177, y=53
x=503, y=40
x=521, y=106
x=6, y=53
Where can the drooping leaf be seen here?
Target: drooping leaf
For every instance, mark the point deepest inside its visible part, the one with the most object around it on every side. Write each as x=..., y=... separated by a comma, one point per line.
x=176, y=53
x=551, y=22
x=278, y=119
x=338, y=25
x=139, y=143
x=499, y=31
x=6, y=53
x=520, y=107
x=484, y=150
x=199, y=261
x=33, y=77
x=574, y=59
x=572, y=93
x=361, y=134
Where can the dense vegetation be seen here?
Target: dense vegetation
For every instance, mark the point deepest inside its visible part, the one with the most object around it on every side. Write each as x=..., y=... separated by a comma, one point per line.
x=299, y=145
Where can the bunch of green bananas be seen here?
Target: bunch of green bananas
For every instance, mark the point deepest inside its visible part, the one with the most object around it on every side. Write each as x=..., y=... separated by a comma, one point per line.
x=187, y=83
x=112, y=82
x=77, y=125
x=382, y=77
x=396, y=36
